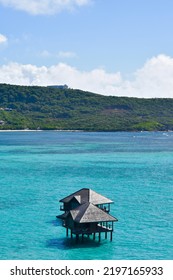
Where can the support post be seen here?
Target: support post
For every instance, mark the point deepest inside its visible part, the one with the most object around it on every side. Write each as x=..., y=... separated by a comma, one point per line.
x=99, y=236
x=77, y=238
x=111, y=236
x=66, y=231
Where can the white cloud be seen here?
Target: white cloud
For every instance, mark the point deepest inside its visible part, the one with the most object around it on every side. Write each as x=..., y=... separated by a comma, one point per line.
x=96, y=80
x=154, y=79
x=60, y=54
x=69, y=54
x=3, y=39
x=36, y=7
x=45, y=54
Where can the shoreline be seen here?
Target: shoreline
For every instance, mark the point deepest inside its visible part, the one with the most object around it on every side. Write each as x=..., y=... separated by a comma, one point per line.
x=39, y=130
x=73, y=130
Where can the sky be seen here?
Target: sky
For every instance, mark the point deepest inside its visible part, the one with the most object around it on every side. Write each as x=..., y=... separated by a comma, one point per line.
x=113, y=47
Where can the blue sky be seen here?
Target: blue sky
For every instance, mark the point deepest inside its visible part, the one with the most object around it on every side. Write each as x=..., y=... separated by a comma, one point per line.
x=113, y=47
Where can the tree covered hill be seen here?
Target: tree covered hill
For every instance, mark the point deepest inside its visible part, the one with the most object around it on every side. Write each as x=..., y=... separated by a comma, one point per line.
x=36, y=107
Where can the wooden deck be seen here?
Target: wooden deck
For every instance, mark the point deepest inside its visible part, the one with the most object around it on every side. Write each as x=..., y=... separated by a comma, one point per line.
x=82, y=232
x=89, y=231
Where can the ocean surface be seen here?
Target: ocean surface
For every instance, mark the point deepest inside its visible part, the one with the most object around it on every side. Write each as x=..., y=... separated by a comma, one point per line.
x=135, y=170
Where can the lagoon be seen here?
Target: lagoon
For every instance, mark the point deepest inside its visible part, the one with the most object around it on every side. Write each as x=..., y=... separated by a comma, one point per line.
x=38, y=168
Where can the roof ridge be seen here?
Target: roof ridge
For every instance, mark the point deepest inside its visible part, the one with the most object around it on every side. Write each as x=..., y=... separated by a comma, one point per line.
x=98, y=211
x=83, y=204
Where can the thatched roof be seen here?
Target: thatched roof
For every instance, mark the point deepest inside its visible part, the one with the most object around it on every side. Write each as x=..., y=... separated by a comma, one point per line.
x=89, y=213
x=87, y=195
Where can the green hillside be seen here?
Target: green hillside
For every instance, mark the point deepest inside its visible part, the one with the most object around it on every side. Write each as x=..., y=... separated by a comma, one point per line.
x=34, y=107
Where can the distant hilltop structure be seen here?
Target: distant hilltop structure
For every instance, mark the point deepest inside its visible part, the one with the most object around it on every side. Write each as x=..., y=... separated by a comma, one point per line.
x=85, y=213
x=6, y=109
x=58, y=86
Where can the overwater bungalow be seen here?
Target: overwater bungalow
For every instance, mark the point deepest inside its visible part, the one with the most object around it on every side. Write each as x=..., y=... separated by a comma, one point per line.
x=87, y=213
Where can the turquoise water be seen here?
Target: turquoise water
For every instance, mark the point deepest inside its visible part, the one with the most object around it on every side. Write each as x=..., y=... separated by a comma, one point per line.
x=135, y=170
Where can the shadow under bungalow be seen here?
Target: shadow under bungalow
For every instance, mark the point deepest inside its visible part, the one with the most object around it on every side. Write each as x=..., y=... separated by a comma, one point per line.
x=87, y=213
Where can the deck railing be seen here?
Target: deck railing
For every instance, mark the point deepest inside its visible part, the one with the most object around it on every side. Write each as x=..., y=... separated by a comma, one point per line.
x=62, y=207
x=98, y=228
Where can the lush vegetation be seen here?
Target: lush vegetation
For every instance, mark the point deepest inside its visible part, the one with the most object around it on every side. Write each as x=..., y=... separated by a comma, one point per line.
x=23, y=107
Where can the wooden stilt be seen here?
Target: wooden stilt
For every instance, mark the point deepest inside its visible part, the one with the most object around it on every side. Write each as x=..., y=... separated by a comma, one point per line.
x=99, y=236
x=66, y=231
x=111, y=236
x=71, y=234
x=77, y=238
x=105, y=234
x=94, y=236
